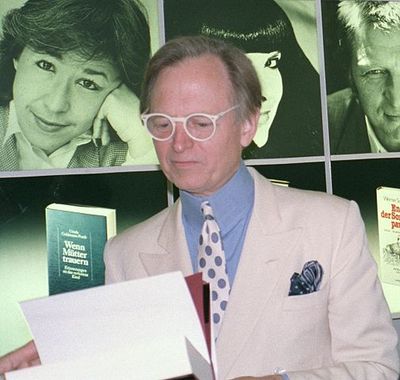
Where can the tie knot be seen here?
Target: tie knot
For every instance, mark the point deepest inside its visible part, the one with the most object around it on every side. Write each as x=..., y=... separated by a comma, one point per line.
x=207, y=211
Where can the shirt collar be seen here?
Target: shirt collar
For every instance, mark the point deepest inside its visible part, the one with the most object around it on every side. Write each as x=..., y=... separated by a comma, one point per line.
x=238, y=190
x=376, y=146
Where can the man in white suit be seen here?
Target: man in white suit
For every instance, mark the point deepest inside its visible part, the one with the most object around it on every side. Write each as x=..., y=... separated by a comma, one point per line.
x=343, y=330
x=270, y=330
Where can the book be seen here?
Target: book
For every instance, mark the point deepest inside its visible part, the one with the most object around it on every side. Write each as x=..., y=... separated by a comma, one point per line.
x=388, y=208
x=200, y=293
x=133, y=333
x=76, y=236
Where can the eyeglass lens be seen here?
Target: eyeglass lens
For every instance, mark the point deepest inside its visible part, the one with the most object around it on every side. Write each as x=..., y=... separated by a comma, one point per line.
x=199, y=127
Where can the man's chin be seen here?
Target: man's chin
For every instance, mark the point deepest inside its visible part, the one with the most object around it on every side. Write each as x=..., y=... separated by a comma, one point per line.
x=392, y=146
x=191, y=186
x=391, y=141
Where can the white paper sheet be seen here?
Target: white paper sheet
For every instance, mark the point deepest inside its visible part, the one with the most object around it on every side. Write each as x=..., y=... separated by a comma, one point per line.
x=138, y=325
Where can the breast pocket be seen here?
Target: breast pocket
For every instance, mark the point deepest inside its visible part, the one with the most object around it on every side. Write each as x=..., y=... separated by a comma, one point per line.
x=314, y=300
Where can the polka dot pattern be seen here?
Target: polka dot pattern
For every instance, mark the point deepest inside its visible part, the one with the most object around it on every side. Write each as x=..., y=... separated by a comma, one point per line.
x=212, y=264
x=308, y=280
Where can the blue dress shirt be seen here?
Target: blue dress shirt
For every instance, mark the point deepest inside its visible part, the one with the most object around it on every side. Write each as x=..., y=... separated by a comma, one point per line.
x=232, y=221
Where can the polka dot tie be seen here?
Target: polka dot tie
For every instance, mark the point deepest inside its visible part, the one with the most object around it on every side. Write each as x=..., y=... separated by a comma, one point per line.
x=212, y=265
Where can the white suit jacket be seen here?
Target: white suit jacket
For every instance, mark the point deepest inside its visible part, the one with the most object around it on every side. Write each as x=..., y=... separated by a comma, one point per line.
x=343, y=331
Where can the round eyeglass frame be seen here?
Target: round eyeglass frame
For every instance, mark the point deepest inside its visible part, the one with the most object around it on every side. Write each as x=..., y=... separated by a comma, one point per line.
x=183, y=120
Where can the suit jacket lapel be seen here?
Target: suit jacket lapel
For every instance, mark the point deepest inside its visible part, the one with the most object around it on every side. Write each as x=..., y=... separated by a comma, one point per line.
x=173, y=253
x=267, y=244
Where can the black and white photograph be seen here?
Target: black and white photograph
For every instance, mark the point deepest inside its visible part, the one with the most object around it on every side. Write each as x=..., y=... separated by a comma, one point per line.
x=290, y=123
x=70, y=78
x=362, y=50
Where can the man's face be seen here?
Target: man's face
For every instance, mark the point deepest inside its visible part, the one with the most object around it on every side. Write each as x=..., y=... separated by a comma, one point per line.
x=376, y=75
x=191, y=86
x=267, y=67
x=57, y=99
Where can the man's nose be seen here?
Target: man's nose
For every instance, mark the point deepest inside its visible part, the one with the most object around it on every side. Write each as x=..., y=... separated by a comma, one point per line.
x=392, y=91
x=57, y=98
x=181, y=140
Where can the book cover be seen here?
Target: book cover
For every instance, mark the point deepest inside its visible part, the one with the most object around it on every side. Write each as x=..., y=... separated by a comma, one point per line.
x=76, y=236
x=388, y=207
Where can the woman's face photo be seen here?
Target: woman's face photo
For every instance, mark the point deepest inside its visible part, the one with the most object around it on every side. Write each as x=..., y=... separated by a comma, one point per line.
x=57, y=98
x=267, y=67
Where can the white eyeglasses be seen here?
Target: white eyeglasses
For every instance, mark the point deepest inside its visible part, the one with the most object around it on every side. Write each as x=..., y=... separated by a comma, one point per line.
x=198, y=126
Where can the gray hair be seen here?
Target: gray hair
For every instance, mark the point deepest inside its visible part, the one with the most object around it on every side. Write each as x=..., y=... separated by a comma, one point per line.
x=354, y=15
x=246, y=88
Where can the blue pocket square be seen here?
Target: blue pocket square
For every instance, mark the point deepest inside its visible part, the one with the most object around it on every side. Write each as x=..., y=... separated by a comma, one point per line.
x=308, y=281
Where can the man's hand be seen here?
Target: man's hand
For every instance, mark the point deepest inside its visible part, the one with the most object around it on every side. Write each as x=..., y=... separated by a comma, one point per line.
x=120, y=110
x=26, y=356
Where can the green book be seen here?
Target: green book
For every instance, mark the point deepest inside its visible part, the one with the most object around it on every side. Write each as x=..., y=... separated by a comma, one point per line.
x=76, y=236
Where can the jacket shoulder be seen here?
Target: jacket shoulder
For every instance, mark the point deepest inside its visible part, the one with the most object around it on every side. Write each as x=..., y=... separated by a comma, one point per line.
x=295, y=204
x=3, y=121
x=90, y=156
x=143, y=231
x=121, y=253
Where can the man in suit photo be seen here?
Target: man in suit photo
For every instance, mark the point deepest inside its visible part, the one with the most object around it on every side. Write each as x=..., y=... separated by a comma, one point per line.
x=294, y=289
x=365, y=117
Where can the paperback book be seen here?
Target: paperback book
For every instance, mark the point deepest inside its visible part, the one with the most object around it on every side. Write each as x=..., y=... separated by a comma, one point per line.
x=388, y=207
x=76, y=236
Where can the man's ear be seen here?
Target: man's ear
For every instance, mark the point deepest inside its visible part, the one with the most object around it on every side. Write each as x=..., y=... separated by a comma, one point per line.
x=249, y=128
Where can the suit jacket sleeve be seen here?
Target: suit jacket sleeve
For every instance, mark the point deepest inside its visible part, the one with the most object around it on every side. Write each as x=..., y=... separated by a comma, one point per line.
x=363, y=339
